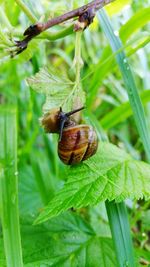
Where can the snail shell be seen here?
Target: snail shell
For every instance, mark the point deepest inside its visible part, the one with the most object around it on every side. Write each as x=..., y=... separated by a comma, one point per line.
x=77, y=144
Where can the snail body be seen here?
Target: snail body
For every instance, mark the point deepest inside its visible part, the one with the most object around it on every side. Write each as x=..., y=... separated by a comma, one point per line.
x=76, y=142
x=50, y=121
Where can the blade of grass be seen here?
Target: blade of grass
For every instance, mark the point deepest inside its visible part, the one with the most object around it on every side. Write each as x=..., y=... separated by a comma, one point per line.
x=122, y=112
x=107, y=64
x=124, y=252
x=135, y=101
x=9, y=187
x=136, y=22
x=26, y=10
x=117, y=213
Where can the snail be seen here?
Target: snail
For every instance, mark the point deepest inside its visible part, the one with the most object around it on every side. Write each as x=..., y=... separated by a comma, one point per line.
x=77, y=142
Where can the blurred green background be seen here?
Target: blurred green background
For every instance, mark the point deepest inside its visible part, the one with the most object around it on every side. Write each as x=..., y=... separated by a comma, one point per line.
x=106, y=98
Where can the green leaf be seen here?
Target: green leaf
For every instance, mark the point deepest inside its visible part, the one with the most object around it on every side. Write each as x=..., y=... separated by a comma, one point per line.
x=99, y=220
x=37, y=183
x=2, y=255
x=117, y=6
x=65, y=241
x=118, y=220
x=122, y=112
x=143, y=256
x=135, y=23
x=107, y=63
x=58, y=89
x=29, y=198
x=9, y=213
x=145, y=217
x=117, y=213
x=8, y=36
x=110, y=174
x=127, y=75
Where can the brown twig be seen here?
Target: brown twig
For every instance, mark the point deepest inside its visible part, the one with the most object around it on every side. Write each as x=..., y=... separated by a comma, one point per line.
x=85, y=13
x=97, y=4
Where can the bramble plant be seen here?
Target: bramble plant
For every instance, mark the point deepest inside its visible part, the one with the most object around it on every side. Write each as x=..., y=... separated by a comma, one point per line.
x=94, y=213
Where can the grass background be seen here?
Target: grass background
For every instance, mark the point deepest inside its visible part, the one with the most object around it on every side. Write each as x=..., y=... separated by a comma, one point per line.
x=40, y=173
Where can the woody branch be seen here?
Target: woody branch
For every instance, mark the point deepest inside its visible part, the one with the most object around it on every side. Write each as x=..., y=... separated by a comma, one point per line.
x=85, y=14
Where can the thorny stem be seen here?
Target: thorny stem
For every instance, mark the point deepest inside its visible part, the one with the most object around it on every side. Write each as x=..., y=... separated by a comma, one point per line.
x=39, y=27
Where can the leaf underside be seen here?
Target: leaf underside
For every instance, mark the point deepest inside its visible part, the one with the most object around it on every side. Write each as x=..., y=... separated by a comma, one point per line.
x=59, y=90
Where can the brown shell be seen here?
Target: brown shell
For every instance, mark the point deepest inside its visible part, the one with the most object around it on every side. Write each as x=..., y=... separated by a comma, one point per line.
x=50, y=121
x=77, y=144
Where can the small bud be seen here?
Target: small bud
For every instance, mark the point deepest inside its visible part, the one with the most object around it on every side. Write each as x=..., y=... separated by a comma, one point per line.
x=79, y=26
x=85, y=20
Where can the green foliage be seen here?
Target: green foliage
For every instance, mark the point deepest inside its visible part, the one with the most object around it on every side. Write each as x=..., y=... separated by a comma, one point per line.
x=127, y=75
x=126, y=255
x=8, y=187
x=141, y=18
x=118, y=218
x=8, y=36
x=122, y=112
x=66, y=241
x=80, y=236
x=110, y=174
x=58, y=89
x=106, y=62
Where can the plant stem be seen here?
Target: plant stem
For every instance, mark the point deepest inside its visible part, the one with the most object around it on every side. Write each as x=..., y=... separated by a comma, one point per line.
x=57, y=35
x=39, y=27
x=77, y=59
x=96, y=4
x=26, y=10
x=51, y=36
x=77, y=64
x=9, y=187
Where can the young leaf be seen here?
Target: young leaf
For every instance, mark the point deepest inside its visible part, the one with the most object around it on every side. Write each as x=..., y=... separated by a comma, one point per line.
x=8, y=36
x=59, y=90
x=110, y=174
